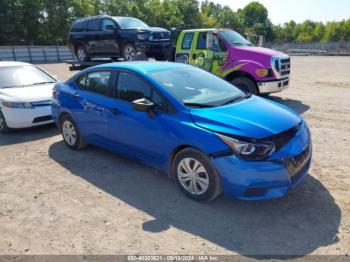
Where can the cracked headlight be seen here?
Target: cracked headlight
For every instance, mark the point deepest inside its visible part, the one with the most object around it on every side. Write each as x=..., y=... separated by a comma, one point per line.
x=248, y=150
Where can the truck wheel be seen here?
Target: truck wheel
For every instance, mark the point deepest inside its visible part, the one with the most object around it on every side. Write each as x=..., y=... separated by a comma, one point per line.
x=81, y=53
x=245, y=84
x=3, y=125
x=195, y=176
x=129, y=52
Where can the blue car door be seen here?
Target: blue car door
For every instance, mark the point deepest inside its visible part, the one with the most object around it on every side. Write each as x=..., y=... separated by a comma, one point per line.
x=93, y=96
x=138, y=134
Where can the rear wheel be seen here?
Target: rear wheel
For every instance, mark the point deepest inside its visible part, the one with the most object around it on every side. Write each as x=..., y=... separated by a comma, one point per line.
x=81, y=53
x=195, y=176
x=129, y=52
x=3, y=125
x=71, y=134
x=245, y=84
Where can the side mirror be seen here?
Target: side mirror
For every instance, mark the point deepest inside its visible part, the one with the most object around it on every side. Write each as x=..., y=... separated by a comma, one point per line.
x=143, y=105
x=109, y=27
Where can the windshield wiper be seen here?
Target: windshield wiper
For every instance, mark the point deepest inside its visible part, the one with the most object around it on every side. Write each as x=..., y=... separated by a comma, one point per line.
x=236, y=99
x=198, y=105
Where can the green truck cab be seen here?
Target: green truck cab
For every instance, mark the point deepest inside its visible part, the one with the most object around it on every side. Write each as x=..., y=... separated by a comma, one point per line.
x=227, y=54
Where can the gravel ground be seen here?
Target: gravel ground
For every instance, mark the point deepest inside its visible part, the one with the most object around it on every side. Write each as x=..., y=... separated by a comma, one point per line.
x=57, y=201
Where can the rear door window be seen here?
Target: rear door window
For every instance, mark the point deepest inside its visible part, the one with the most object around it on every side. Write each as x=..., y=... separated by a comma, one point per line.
x=202, y=40
x=93, y=25
x=187, y=41
x=96, y=82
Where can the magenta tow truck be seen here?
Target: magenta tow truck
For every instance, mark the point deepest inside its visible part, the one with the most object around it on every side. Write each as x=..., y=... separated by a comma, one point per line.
x=227, y=54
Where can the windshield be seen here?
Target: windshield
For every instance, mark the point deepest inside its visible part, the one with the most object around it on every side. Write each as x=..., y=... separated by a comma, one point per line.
x=18, y=76
x=130, y=23
x=234, y=38
x=196, y=87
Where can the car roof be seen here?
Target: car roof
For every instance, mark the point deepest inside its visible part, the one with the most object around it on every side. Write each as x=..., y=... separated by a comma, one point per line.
x=201, y=30
x=142, y=66
x=12, y=63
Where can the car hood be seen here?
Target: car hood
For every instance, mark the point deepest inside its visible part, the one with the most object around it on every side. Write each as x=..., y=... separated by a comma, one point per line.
x=253, y=118
x=260, y=50
x=27, y=94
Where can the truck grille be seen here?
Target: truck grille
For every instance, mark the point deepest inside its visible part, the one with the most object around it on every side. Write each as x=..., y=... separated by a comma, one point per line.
x=284, y=69
x=160, y=36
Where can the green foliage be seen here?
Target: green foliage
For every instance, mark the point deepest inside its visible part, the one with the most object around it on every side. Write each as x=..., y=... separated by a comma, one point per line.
x=49, y=21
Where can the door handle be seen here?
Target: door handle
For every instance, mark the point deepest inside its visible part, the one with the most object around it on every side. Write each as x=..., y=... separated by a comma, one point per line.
x=75, y=94
x=115, y=111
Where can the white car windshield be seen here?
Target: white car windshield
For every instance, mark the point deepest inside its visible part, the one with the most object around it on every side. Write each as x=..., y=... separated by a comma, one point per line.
x=24, y=75
x=130, y=23
x=196, y=87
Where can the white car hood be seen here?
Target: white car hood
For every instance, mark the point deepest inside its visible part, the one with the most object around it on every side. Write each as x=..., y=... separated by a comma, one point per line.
x=27, y=94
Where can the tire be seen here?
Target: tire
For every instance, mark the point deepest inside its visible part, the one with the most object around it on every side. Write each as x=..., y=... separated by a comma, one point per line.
x=191, y=160
x=3, y=126
x=81, y=53
x=129, y=51
x=245, y=84
x=71, y=134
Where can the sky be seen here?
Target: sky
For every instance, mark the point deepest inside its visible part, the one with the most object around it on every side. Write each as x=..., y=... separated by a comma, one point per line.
x=281, y=11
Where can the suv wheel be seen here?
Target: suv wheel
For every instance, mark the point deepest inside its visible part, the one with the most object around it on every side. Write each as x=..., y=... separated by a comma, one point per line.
x=129, y=52
x=81, y=53
x=245, y=84
x=3, y=125
x=71, y=134
x=195, y=176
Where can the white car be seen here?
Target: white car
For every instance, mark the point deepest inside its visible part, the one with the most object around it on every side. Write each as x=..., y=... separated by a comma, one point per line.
x=25, y=96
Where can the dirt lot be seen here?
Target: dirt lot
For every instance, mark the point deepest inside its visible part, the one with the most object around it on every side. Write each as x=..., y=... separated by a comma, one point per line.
x=56, y=201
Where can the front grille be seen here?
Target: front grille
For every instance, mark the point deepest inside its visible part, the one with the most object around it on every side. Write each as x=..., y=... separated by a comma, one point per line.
x=284, y=69
x=42, y=119
x=160, y=36
x=283, y=138
x=42, y=103
x=296, y=165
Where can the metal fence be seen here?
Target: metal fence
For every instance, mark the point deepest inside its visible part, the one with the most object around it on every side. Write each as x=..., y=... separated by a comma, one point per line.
x=35, y=54
x=313, y=47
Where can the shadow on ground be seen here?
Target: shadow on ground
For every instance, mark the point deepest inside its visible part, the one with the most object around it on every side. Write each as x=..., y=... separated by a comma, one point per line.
x=296, y=105
x=17, y=136
x=308, y=218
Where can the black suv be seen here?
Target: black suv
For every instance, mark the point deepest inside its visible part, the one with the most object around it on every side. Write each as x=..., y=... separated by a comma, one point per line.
x=111, y=36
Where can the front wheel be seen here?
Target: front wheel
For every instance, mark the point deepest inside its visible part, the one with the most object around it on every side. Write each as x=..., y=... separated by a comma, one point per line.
x=71, y=134
x=245, y=84
x=195, y=176
x=3, y=126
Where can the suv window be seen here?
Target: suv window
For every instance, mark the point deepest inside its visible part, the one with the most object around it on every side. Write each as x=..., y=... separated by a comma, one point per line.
x=93, y=25
x=96, y=82
x=187, y=41
x=78, y=26
x=105, y=23
x=202, y=40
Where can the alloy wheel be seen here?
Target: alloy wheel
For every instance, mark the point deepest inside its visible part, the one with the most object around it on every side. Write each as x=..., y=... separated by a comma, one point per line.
x=81, y=54
x=129, y=52
x=192, y=176
x=69, y=133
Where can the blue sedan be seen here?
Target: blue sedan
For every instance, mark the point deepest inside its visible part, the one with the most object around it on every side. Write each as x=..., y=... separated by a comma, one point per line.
x=206, y=134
